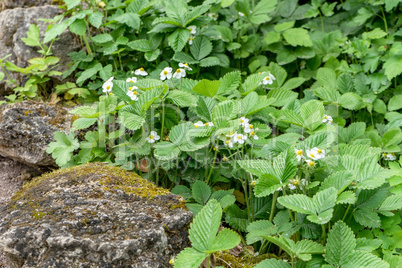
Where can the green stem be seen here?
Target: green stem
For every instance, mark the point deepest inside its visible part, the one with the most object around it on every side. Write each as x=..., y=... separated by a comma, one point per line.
x=213, y=163
x=384, y=19
x=322, y=22
x=89, y=50
x=8, y=76
x=346, y=212
x=271, y=215
x=163, y=118
x=324, y=232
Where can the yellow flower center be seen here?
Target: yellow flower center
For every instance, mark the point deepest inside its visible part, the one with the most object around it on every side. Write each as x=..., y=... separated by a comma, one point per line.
x=384, y=155
x=135, y=92
x=165, y=72
x=251, y=126
x=299, y=152
x=267, y=78
x=151, y=137
x=253, y=183
x=130, y=88
x=186, y=64
x=178, y=71
x=231, y=133
x=252, y=133
x=227, y=142
x=311, y=164
x=224, y=159
x=206, y=124
x=108, y=87
x=241, y=120
x=295, y=183
x=214, y=148
x=319, y=151
x=142, y=69
x=312, y=155
x=259, y=72
x=196, y=126
x=325, y=117
x=239, y=137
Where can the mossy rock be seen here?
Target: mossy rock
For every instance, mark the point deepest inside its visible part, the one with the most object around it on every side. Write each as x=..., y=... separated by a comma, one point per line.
x=93, y=215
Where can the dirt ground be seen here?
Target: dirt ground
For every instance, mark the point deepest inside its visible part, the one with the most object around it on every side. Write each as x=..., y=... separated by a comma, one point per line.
x=12, y=177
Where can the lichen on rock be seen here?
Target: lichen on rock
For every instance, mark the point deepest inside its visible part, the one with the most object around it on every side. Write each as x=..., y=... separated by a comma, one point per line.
x=93, y=216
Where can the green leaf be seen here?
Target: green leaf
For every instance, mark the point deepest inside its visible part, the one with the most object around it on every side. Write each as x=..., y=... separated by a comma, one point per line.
x=267, y=184
x=229, y=82
x=184, y=58
x=226, y=3
x=85, y=111
x=201, y=47
x=72, y=3
x=390, y=4
x=178, y=39
x=131, y=121
x=312, y=113
x=142, y=45
x=205, y=226
x=393, y=202
x=304, y=249
x=225, y=240
x=201, y=192
x=340, y=244
x=284, y=26
x=210, y=61
x=395, y=103
x=273, y=263
x=166, y=150
x=298, y=202
x=347, y=197
x=393, y=66
x=237, y=218
x=297, y=37
x=326, y=77
x=272, y=37
x=257, y=229
x=33, y=36
x=131, y=19
x=293, y=83
x=189, y=257
x=207, y=88
x=89, y=73
x=78, y=27
x=63, y=147
x=260, y=11
x=82, y=123
x=182, y=98
x=102, y=38
x=374, y=34
x=367, y=218
x=351, y=101
x=96, y=19
x=55, y=31
x=364, y=259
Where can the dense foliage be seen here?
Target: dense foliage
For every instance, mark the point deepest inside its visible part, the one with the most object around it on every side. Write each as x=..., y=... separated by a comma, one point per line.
x=283, y=115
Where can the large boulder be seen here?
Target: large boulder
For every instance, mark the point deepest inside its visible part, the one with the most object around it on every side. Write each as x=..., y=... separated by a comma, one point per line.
x=27, y=128
x=93, y=216
x=7, y=4
x=14, y=23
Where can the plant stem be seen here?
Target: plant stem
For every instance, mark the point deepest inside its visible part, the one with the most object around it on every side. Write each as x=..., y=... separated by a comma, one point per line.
x=213, y=163
x=384, y=19
x=163, y=118
x=346, y=212
x=271, y=215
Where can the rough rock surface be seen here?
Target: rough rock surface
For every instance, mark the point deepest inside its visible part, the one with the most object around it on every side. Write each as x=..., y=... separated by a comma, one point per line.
x=14, y=23
x=93, y=216
x=7, y=4
x=27, y=128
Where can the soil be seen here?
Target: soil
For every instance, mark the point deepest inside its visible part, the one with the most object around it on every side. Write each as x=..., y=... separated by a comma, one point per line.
x=12, y=176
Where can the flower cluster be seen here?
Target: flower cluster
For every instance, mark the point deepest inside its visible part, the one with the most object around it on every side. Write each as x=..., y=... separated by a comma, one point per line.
x=167, y=72
x=327, y=119
x=312, y=155
x=193, y=31
x=240, y=138
x=201, y=124
x=389, y=156
x=297, y=183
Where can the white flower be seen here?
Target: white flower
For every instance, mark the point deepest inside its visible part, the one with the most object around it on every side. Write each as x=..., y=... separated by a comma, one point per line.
x=192, y=29
x=190, y=39
x=241, y=14
x=153, y=137
x=108, y=85
x=166, y=73
x=240, y=138
x=248, y=128
x=199, y=124
x=131, y=80
x=327, y=119
x=315, y=153
x=268, y=80
x=389, y=157
x=243, y=121
x=141, y=72
x=209, y=124
x=296, y=182
x=133, y=93
x=179, y=73
x=252, y=134
x=299, y=154
x=185, y=65
x=310, y=163
x=229, y=143
x=214, y=16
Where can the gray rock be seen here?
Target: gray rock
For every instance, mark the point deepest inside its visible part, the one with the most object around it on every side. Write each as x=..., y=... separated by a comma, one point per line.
x=27, y=128
x=14, y=23
x=7, y=4
x=93, y=216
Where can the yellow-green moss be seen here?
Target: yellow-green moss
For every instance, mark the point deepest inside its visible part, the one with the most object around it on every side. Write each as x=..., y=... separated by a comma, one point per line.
x=110, y=177
x=245, y=261
x=38, y=215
